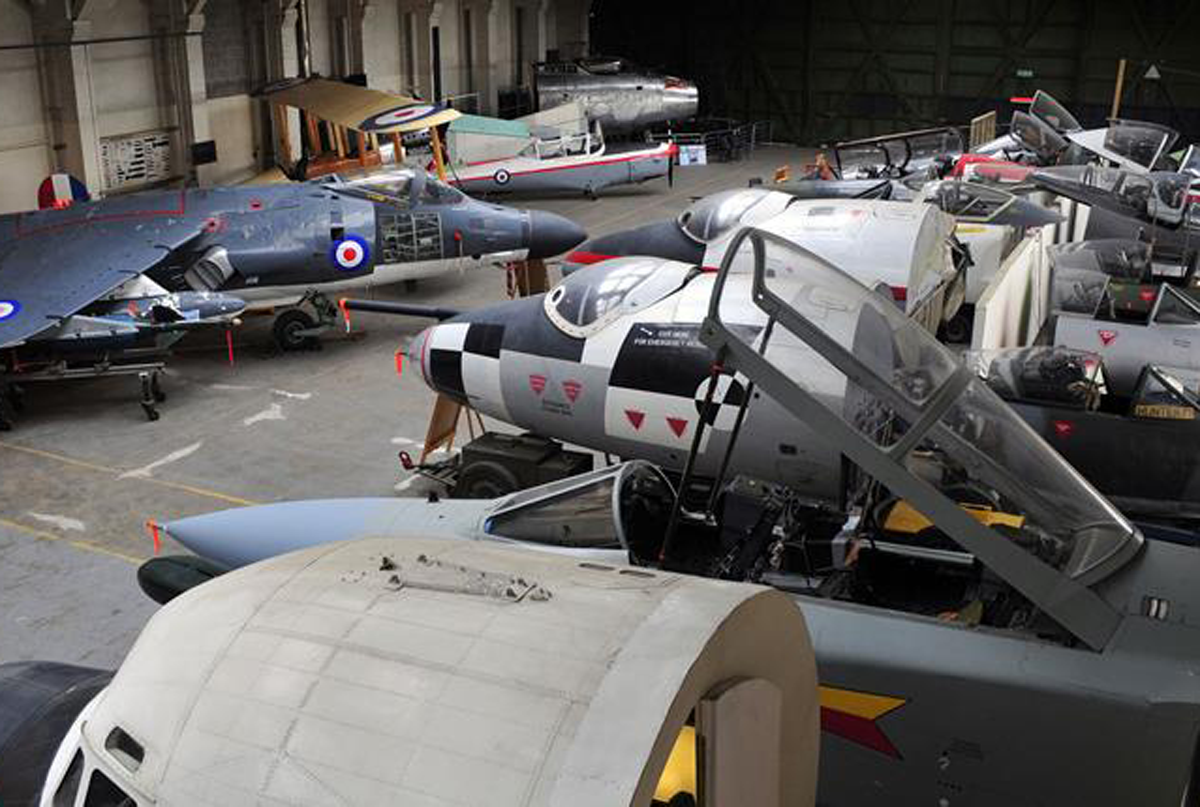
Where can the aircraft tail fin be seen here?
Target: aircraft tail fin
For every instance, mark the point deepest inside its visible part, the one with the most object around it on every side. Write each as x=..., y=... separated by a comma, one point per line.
x=61, y=190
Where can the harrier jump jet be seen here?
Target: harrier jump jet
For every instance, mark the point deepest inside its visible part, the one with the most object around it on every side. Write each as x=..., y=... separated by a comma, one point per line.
x=272, y=246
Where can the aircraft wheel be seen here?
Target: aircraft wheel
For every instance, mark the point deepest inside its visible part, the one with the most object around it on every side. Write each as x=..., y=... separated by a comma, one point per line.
x=485, y=480
x=151, y=413
x=289, y=330
x=957, y=331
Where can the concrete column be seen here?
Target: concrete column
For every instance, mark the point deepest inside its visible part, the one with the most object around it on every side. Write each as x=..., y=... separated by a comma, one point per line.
x=499, y=57
x=283, y=61
x=68, y=92
x=545, y=30
x=183, y=90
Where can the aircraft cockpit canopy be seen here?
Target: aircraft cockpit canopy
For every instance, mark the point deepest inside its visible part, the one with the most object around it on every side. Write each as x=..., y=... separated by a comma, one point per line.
x=1140, y=141
x=968, y=201
x=1037, y=136
x=589, y=299
x=906, y=392
x=717, y=214
x=1046, y=108
x=396, y=188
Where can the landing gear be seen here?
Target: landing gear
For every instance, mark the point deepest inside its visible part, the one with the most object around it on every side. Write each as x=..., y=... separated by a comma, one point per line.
x=293, y=329
x=296, y=329
x=152, y=394
x=10, y=404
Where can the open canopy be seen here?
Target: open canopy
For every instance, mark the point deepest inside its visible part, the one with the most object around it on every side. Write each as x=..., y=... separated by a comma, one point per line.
x=359, y=108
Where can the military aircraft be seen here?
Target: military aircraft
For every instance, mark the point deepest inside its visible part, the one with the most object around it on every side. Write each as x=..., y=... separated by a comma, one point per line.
x=1063, y=394
x=609, y=357
x=616, y=93
x=446, y=673
x=908, y=247
x=1160, y=206
x=127, y=332
x=1098, y=305
x=980, y=585
x=566, y=164
x=990, y=222
x=272, y=246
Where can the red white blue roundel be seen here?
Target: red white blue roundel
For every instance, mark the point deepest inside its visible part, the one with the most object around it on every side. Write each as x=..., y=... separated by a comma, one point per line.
x=398, y=116
x=8, y=309
x=502, y=176
x=350, y=254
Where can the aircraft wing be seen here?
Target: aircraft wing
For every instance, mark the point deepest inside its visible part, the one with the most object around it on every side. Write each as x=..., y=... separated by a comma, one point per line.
x=53, y=272
x=360, y=108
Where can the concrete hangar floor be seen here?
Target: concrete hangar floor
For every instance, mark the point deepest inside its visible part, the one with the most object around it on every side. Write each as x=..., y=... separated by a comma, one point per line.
x=83, y=471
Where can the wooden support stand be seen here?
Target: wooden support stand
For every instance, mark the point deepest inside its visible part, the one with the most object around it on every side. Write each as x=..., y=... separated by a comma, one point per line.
x=443, y=425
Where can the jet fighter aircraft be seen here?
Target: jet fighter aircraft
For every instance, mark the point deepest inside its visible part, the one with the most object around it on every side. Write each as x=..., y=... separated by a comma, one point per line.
x=619, y=95
x=983, y=586
x=908, y=247
x=272, y=246
x=1161, y=206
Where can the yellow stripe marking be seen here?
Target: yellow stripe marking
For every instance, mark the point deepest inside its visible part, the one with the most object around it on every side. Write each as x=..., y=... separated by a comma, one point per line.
x=86, y=546
x=90, y=466
x=860, y=704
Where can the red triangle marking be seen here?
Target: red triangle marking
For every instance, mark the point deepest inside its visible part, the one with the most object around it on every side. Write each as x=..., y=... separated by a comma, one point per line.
x=635, y=417
x=678, y=425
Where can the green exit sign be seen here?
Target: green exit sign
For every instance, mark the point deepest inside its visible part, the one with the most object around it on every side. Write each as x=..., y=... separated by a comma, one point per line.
x=1024, y=72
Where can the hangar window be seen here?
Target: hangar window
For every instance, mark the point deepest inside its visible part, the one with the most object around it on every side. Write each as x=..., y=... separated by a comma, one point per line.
x=589, y=299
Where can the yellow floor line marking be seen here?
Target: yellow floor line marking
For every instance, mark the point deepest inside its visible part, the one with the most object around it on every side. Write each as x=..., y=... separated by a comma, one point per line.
x=116, y=472
x=86, y=546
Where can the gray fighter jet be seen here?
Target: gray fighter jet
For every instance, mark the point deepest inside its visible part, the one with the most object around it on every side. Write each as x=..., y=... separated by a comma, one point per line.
x=272, y=246
x=988, y=628
x=619, y=95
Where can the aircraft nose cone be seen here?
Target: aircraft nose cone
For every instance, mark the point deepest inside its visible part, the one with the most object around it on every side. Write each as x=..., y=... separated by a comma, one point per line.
x=416, y=351
x=245, y=535
x=551, y=234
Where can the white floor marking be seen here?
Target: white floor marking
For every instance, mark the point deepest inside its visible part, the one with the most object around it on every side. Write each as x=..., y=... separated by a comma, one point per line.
x=405, y=484
x=231, y=387
x=62, y=522
x=403, y=441
x=299, y=396
x=174, y=456
x=272, y=412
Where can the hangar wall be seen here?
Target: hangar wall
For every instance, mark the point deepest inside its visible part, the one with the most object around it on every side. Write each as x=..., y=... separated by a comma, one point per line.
x=87, y=84
x=828, y=71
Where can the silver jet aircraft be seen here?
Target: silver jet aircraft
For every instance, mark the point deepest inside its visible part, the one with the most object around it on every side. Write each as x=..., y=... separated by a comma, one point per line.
x=989, y=630
x=619, y=95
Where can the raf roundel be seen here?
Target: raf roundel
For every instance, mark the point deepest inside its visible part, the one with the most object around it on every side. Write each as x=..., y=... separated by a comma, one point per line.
x=398, y=116
x=502, y=177
x=350, y=254
x=8, y=309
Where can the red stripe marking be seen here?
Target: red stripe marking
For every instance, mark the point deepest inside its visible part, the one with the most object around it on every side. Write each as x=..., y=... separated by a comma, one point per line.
x=900, y=294
x=152, y=528
x=1021, y=99
x=654, y=155
x=86, y=219
x=857, y=730
x=580, y=256
x=399, y=361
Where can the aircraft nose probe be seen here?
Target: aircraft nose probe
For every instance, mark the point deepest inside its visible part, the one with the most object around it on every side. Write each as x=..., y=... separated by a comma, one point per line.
x=551, y=234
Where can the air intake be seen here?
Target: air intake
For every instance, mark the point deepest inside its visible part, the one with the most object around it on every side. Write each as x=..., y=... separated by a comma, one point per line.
x=210, y=272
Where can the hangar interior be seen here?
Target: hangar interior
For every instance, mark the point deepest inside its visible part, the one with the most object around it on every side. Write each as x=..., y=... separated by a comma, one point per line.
x=868, y=329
